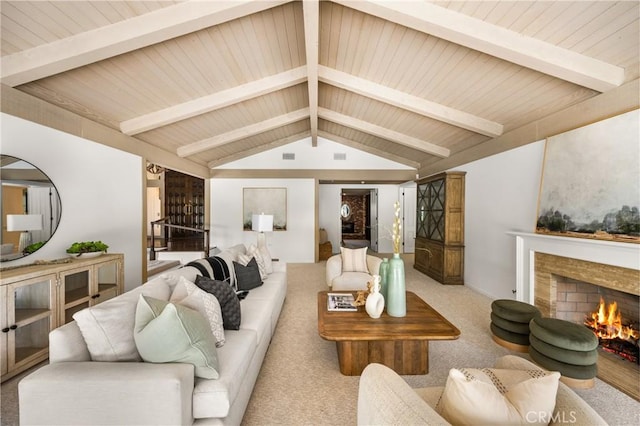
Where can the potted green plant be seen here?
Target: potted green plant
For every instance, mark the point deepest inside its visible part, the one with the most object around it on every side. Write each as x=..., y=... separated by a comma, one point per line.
x=87, y=249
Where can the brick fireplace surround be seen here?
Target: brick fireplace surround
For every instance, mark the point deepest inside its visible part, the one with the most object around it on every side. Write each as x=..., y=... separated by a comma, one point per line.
x=546, y=263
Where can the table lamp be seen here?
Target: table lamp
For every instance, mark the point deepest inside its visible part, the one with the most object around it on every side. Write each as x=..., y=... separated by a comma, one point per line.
x=24, y=223
x=262, y=223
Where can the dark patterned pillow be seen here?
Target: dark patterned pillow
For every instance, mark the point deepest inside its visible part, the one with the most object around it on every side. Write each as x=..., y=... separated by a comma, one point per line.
x=247, y=277
x=213, y=267
x=229, y=302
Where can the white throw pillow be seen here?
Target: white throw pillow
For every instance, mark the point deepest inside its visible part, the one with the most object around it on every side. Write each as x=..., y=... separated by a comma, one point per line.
x=498, y=397
x=354, y=260
x=266, y=257
x=190, y=295
x=107, y=328
x=252, y=250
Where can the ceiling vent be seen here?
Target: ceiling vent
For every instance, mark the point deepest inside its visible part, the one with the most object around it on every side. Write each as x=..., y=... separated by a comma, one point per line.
x=339, y=156
x=288, y=156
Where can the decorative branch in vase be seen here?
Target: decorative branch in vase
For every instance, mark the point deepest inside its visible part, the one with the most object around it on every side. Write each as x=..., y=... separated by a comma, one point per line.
x=396, y=291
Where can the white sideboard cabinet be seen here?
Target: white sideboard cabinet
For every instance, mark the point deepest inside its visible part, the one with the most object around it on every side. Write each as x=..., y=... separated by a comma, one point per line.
x=35, y=299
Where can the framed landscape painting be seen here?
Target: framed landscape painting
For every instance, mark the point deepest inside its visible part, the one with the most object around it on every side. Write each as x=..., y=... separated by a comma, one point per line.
x=271, y=201
x=591, y=181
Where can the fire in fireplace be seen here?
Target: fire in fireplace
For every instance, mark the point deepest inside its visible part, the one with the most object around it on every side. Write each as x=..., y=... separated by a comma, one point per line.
x=614, y=336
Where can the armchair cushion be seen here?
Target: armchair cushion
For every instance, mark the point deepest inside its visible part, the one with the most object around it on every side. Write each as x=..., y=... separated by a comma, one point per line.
x=354, y=260
x=495, y=396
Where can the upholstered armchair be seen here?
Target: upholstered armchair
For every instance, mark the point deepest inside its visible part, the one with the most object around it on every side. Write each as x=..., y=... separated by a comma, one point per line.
x=354, y=273
x=384, y=397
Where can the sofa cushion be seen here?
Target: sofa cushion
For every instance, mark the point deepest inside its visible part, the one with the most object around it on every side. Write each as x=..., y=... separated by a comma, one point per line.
x=354, y=260
x=213, y=398
x=166, y=332
x=190, y=295
x=495, y=396
x=247, y=277
x=107, y=328
x=229, y=302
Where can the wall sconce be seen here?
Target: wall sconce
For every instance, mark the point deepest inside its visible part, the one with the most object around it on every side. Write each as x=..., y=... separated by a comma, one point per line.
x=24, y=223
x=262, y=223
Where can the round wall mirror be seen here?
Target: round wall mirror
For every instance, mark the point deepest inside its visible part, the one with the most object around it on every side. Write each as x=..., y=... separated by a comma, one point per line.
x=31, y=208
x=345, y=210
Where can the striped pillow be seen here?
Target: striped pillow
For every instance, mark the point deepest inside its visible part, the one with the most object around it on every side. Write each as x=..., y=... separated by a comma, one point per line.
x=213, y=267
x=354, y=260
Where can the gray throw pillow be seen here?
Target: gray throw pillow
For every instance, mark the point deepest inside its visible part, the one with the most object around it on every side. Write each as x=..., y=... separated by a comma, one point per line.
x=247, y=277
x=229, y=302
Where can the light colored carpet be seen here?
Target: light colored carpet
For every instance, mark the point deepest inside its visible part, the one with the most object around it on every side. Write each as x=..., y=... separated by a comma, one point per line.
x=300, y=383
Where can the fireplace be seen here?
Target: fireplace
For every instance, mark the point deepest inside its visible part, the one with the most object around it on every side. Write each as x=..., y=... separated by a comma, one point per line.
x=564, y=277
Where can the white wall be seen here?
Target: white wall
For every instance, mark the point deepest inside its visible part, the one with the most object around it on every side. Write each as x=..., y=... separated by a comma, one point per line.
x=296, y=244
x=501, y=195
x=318, y=157
x=100, y=189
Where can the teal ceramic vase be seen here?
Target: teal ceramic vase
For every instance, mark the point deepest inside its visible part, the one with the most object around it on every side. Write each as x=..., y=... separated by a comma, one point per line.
x=384, y=273
x=396, y=292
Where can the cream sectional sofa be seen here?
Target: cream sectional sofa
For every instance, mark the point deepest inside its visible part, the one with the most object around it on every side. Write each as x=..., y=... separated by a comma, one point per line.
x=74, y=389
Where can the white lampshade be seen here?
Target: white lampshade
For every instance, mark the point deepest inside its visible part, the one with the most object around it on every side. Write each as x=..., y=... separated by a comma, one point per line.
x=262, y=222
x=24, y=222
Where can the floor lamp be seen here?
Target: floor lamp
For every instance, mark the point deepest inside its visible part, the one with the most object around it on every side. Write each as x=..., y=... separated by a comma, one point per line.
x=262, y=223
x=24, y=223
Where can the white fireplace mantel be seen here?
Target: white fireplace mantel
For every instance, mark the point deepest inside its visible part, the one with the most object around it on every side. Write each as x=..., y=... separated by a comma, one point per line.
x=626, y=255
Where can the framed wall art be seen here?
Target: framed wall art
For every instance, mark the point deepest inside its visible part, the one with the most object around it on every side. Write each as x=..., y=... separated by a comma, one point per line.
x=590, y=184
x=271, y=201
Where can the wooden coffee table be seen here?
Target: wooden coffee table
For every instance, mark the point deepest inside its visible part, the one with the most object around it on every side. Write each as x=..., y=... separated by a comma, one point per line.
x=401, y=344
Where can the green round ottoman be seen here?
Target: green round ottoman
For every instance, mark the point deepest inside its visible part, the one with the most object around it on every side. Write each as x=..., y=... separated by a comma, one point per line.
x=510, y=323
x=508, y=339
x=566, y=347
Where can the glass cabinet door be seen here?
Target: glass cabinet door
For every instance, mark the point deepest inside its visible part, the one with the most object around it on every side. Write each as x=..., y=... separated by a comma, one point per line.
x=435, y=210
x=106, y=285
x=30, y=317
x=75, y=291
x=421, y=214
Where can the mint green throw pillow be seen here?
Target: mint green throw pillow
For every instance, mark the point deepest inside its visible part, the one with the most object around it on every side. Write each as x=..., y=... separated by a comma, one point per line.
x=165, y=332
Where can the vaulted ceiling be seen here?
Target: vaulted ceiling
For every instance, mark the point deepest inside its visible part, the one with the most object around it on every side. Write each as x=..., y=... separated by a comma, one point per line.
x=426, y=84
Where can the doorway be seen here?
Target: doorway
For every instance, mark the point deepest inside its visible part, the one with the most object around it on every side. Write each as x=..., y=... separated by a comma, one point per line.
x=359, y=218
x=177, y=198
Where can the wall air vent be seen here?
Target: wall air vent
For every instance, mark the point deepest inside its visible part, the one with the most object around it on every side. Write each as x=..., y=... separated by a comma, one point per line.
x=288, y=156
x=339, y=156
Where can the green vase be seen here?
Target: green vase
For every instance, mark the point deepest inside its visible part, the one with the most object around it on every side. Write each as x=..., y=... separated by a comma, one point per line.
x=384, y=273
x=396, y=292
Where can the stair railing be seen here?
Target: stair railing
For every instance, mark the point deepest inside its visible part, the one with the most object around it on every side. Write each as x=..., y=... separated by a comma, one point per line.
x=167, y=226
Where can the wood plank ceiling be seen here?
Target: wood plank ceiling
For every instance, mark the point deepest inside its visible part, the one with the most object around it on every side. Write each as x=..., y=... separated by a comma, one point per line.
x=416, y=82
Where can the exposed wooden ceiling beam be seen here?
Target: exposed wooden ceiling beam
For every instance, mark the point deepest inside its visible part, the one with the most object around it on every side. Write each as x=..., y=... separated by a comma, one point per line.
x=214, y=101
x=409, y=102
x=311, y=10
x=496, y=41
x=258, y=149
x=600, y=107
x=369, y=149
x=371, y=177
x=122, y=37
x=382, y=132
x=243, y=132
